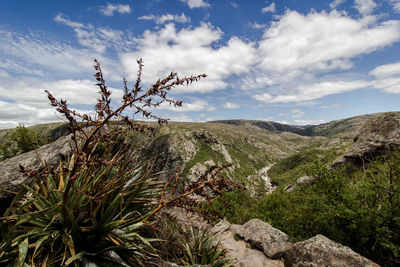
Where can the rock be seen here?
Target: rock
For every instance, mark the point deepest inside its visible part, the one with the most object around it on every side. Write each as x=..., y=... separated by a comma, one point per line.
x=171, y=264
x=239, y=251
x=376, y=137
x=273, y=242
x=305, y=180
x=321, y=251
x=187, y=219
x=214, y=143
x=11, y=178
x=196, y=171
x=289, y=188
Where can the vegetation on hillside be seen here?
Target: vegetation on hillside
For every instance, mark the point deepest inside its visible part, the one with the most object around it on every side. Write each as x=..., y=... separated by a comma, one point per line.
x=21, y=140
x=358, y=208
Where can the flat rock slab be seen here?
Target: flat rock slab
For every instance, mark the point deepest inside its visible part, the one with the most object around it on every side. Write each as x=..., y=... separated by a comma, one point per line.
x=273, y=242
x=240, y=252
x=10, y=176
x=323, y=252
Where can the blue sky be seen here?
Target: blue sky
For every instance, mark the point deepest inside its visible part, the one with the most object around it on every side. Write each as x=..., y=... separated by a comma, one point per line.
x=291, y=61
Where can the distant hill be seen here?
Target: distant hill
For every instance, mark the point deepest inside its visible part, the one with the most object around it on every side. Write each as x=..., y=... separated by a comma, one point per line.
x=327, y=129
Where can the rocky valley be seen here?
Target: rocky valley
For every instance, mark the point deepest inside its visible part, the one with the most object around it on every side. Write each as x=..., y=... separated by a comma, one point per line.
x=272, y=162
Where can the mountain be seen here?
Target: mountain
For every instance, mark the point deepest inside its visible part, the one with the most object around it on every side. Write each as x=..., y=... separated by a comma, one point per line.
x=271, y=161
x=250, y=146
x=332, y=128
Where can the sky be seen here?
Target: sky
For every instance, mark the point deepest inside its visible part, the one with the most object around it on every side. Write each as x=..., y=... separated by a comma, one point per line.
x=291, y=61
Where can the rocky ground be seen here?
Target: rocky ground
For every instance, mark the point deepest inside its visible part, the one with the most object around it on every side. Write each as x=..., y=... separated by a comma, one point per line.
x=257, y=243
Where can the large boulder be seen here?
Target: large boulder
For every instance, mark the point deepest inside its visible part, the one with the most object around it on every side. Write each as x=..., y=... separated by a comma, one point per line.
x=10, y=176
x=240, y=253
x=273, y=242
x=321, y=251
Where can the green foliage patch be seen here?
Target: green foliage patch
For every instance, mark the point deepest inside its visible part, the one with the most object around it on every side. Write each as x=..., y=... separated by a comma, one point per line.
x=22, y=140
x=359, y=209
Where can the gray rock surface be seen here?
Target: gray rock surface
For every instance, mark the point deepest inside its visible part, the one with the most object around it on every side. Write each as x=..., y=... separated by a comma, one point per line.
x=241, y=254
x=321, y=251
x=10, y=176
x=263, y=236
x=376, y=137
x=305, y=180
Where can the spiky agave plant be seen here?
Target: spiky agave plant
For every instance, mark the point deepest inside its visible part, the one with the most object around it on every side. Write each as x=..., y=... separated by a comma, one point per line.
x=93, y=208
x=106, y=207
x=203, y=248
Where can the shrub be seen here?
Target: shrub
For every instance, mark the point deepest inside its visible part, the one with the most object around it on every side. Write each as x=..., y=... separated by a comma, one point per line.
x=21, y=140
x=359, y=209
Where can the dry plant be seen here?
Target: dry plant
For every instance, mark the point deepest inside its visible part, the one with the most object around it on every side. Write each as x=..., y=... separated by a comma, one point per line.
x=93, y=208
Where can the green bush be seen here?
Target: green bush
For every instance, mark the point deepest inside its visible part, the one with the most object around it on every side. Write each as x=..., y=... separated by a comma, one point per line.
x=21, y=140
x=360, y=209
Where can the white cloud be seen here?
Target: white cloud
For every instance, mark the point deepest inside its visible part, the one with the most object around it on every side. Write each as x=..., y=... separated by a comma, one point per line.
x=4, y=74
x=297, y=48
x=365, y=7
x=28, y=103
x=388, y=85
x=74, y=91
x=296, y=113
x=396, y=5
x=196, y=3
x=309, y=122
x=111, y=8
x=321, y=41
x=179, y=117
x=11, y=114
x=386, y=70
x=33, y=54
x=198, y=105
x=387, y=78
x=270, y=8
x=283, y=122
x=97, y=39
x=235, y=5
x=166, y=18
x=230, y=105
x=190, y=51
x=257, y=26
x=336, y=3
x=313, y=91
x=266, y=119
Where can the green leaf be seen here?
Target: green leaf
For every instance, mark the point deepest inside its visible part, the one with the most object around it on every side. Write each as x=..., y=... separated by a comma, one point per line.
x=39, y=242
x=22, y=252
x=74, y=258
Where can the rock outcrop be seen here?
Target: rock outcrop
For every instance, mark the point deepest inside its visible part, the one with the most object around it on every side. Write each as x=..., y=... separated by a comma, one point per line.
x=264, y=245
x=376, y=137
x=305, y=180
x=263, y=236
x=239, y=251
x=321, y=251
x=11, y=178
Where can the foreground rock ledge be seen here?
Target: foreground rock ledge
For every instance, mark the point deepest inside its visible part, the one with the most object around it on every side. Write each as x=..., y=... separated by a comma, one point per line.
x=275, y=249
x=321, y=251
x=10, y=176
